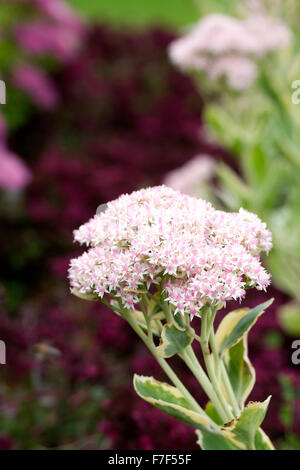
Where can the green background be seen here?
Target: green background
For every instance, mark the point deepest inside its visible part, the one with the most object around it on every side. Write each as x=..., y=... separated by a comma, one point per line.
x=172, y=13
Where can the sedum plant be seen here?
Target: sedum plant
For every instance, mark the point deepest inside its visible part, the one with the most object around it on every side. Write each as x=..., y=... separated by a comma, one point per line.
x=167, y=263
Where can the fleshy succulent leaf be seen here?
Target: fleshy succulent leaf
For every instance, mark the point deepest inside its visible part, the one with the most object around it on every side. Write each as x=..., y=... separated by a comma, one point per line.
x=173, y=341
x=212, y=413
x=237, y=323
x=170, y=400
x=241, y=433
x=80, y=295
x=240, y=371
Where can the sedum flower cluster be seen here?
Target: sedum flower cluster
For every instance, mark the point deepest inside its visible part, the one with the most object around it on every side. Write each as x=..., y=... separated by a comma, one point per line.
x=158, y=238
x=226, y=47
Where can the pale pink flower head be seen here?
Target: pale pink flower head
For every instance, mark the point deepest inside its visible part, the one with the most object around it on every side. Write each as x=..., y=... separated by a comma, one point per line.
x=158, y=238
x=57, y=10
x=213, y=36
x=189, y=177
x=37, y=84
x=224, y=46
x=272, y=34
x=60, y=11
x=239, y=71
x=219, y=34
x=14, y=175
x=39, y=38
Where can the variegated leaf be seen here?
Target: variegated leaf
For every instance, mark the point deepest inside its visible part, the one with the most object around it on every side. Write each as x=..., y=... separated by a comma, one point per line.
x=90, y=296
x=262, y=441
x=170, y=400
x=247, y=426
x=210, y=409
x=231, y=339
x=237, y=323
x=240, y=371
x=173, y=341
x=178, y=322
x=214, y=441
x=242, y=433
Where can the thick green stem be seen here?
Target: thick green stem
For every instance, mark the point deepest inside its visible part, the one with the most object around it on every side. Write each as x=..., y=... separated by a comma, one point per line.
x=215, y=352
x=147, y=319
x=221, y=372
x=191, y=361
x=164, y=365
x=206, y=328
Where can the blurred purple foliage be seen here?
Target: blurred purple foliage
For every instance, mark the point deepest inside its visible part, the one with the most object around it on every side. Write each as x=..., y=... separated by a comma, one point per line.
x=36, y=35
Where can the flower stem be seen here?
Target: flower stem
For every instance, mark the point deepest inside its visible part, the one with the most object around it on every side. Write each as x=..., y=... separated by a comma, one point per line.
x=191, y=361
x=164, y=365
x=221, y=372
x=215, y=352
x=206, y=329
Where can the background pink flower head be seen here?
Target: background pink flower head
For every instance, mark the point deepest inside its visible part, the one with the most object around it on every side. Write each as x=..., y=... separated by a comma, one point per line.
x=14, y=175
x=189, y=177
x=37, y=84
x=224, y=46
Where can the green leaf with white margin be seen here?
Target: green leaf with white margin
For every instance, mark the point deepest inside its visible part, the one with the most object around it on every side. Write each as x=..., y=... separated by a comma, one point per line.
x=178, y=321
x=173, y=341
x=210, y=409
x=237, y=323
x=240, y=370
x=237, y=435
x=214, y=441
x=262, y=441
x=246, y=427
x=170, y=400
x=89, y=296
x=242, y=433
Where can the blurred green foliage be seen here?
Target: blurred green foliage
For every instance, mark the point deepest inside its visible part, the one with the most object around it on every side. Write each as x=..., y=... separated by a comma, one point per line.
x=144, y=13
x=172, y=13
x=289, y=318
x=290, y=395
